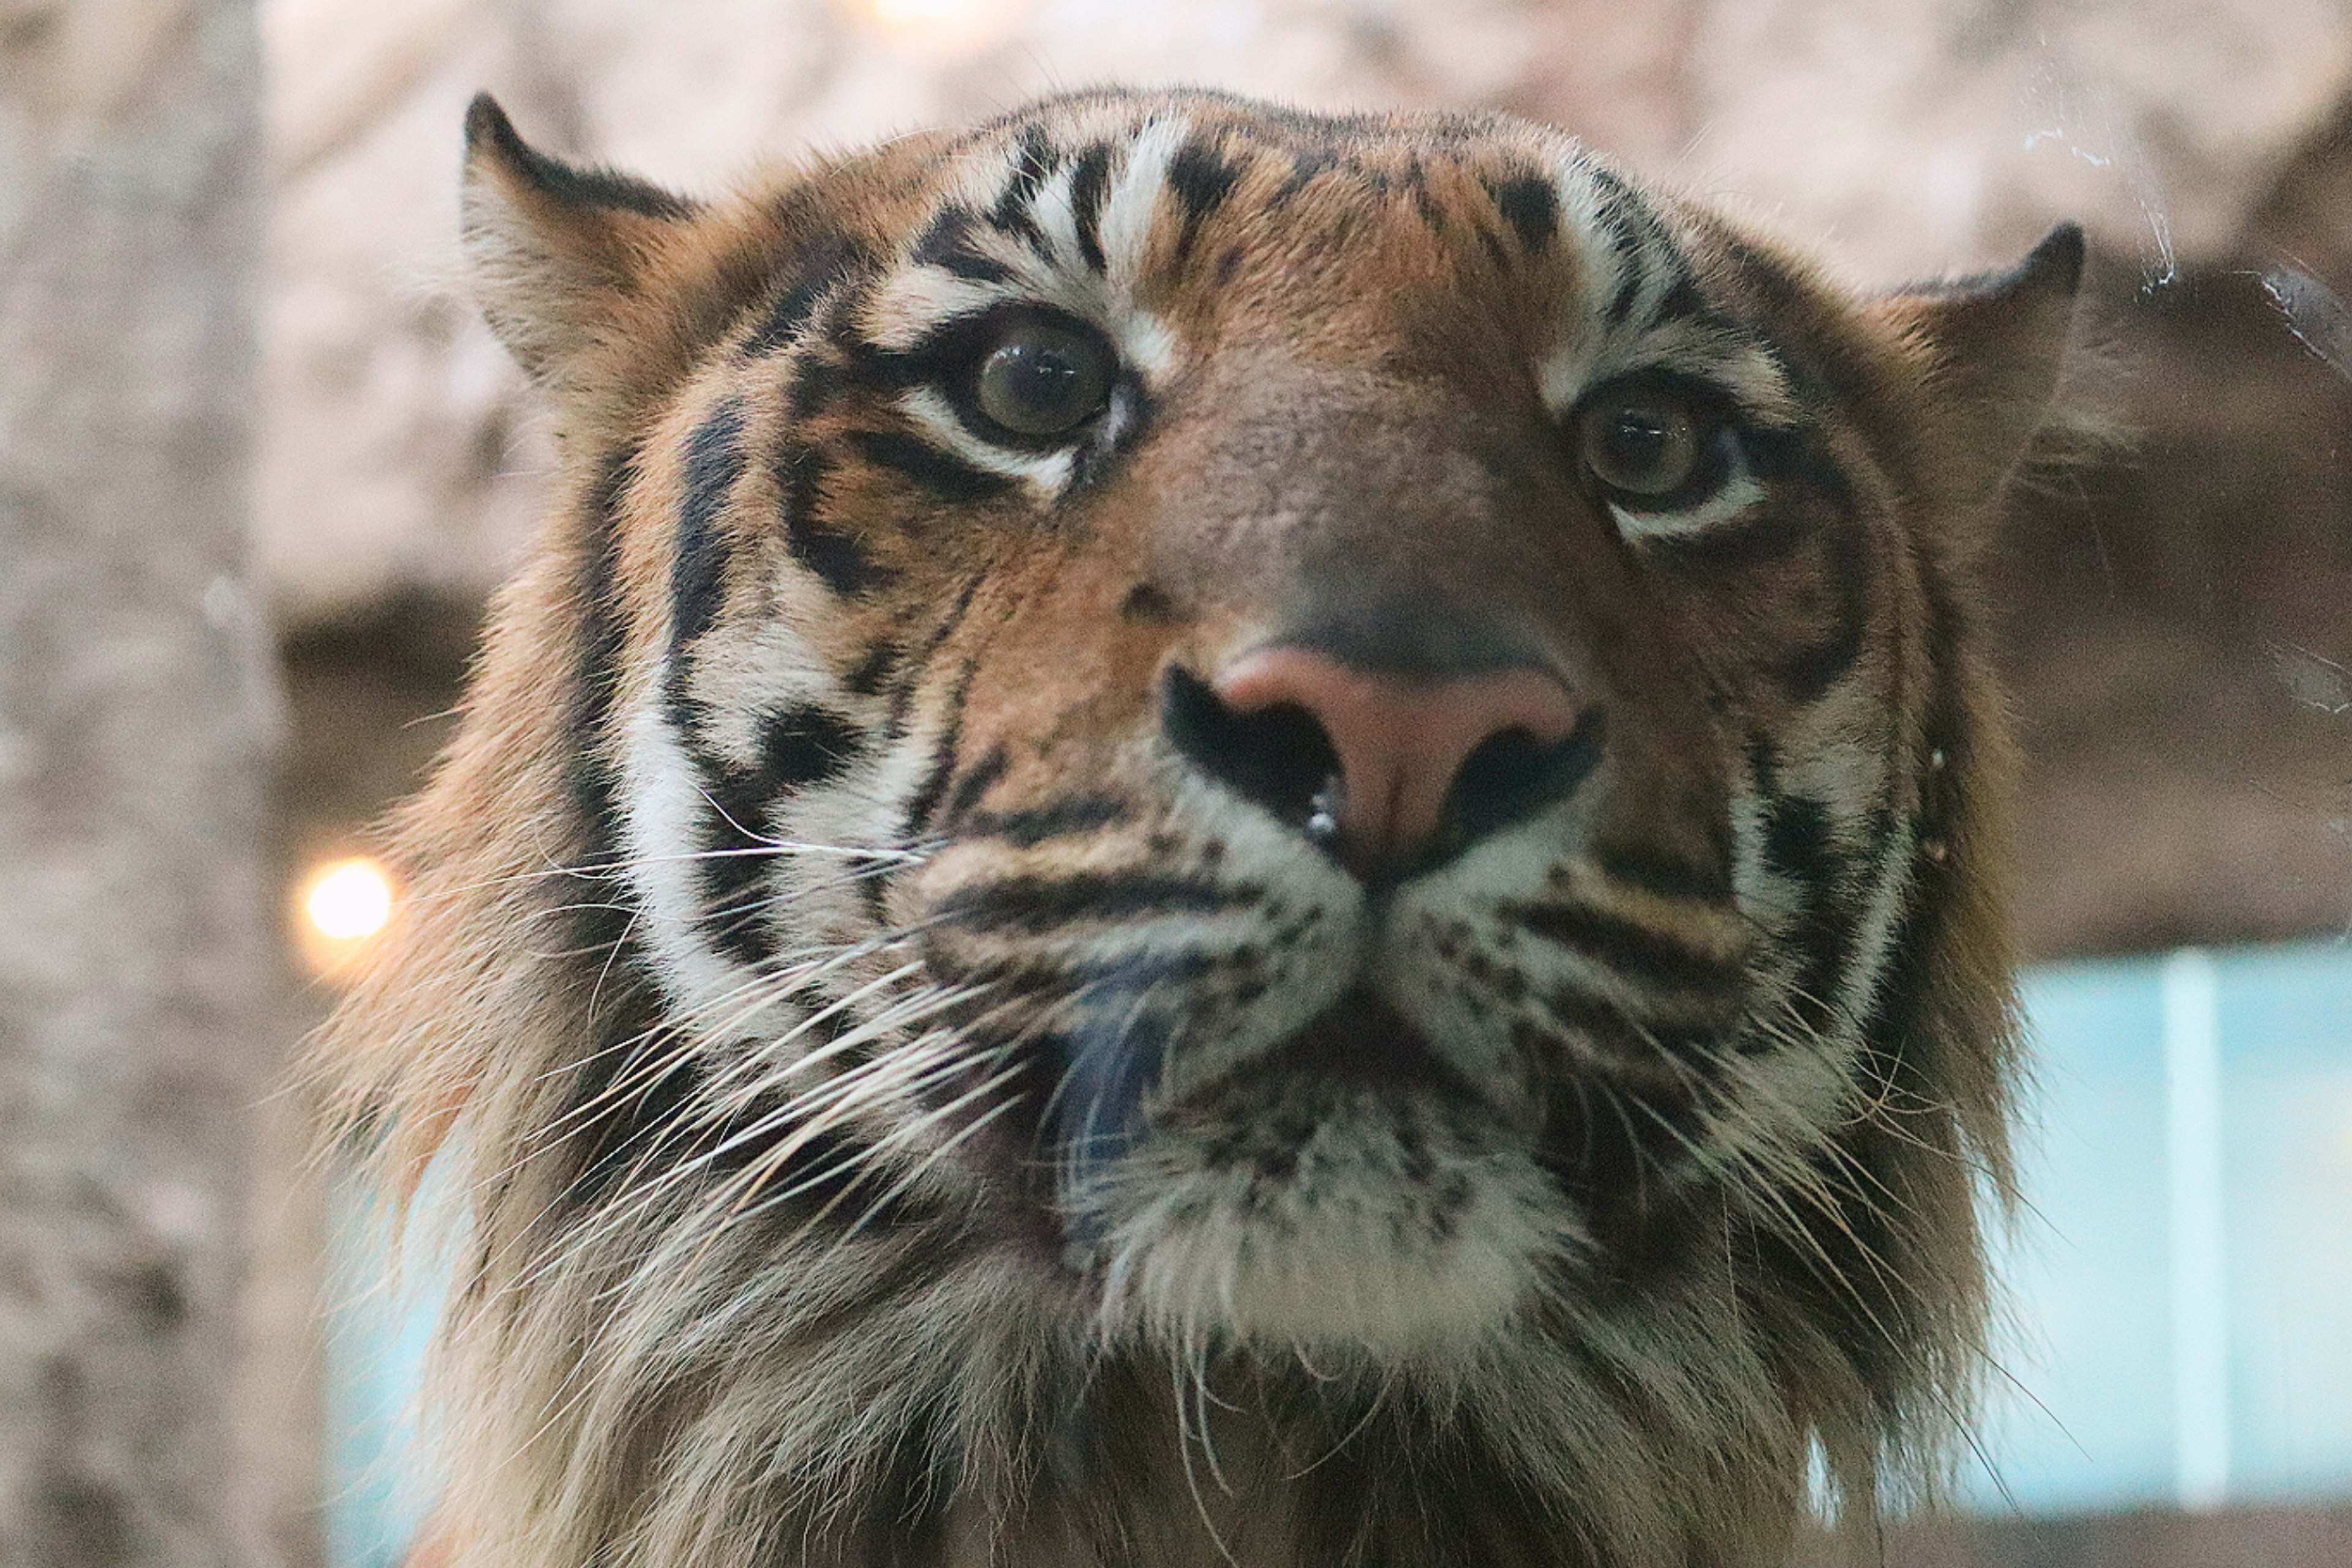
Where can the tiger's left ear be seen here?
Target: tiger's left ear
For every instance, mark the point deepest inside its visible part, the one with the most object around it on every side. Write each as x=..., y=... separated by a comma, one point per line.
x=559, y=254
x=1997, y=347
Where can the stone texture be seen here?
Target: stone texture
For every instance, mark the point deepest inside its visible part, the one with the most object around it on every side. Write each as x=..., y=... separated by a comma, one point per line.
x=138, y=980
x=1919, y=137
x=2172, y=615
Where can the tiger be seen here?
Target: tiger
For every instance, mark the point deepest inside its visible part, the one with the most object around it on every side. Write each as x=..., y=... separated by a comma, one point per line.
x=1207, y=834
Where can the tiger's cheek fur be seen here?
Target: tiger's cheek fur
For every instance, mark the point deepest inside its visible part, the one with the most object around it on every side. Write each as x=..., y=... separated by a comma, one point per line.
x=890, y=990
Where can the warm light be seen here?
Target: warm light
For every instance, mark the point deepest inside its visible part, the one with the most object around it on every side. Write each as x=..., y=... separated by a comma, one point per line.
x=350, y=900
x=945, y=26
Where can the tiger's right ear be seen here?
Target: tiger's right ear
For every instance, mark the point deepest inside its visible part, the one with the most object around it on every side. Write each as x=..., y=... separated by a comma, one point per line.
x=556, y=253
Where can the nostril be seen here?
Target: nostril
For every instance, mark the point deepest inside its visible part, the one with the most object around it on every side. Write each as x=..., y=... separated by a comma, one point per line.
x=1388, y=774
x=1280, y=756
x=1513, y=773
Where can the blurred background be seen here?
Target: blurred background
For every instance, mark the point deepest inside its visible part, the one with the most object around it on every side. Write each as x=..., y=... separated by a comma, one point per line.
x=2174, y=1377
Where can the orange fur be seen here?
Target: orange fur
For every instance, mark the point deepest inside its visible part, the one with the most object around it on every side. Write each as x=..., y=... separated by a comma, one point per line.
x=1336, y=333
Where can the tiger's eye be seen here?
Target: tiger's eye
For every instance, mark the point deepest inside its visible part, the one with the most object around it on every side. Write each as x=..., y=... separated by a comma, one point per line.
x=1644, y=442
x=1044, y=380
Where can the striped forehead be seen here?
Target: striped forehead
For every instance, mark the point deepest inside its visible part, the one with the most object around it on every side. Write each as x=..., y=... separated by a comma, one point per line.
x=1032, y=222
x=1072, y=214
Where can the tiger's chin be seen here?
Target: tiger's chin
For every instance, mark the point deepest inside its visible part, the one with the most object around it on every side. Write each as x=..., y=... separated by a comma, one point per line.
x=1342, y=1257
x=1364, y=1212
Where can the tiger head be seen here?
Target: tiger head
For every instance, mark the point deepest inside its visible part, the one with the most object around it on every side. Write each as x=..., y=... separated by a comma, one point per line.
x=1350, y=755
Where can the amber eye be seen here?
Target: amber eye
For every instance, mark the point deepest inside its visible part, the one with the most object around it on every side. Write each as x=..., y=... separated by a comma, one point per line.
x=1643, y=440
x=1041, y=379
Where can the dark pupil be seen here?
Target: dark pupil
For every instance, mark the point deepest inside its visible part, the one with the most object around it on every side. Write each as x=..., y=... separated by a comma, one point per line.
x=1040, y=379
x=1640, y=440
x=1040, y=383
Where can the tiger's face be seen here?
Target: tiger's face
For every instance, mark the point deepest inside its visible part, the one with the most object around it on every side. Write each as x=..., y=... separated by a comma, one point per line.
x=1353, y=738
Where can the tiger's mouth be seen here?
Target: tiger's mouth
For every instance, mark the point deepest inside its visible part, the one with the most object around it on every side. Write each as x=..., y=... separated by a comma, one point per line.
x=1362, y=1039
x=1349, y=1186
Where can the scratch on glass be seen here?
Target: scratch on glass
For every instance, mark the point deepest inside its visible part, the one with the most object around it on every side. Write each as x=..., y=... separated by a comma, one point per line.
x=2079, y=119
x=2312, y=678
x=2315, y=313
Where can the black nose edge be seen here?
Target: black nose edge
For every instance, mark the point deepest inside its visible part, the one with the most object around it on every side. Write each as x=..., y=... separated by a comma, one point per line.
x=1278, y=758
x=1512, y=775
x=1281, y=759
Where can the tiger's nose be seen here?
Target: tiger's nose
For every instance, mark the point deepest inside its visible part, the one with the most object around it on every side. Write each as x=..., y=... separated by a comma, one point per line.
x=1390, y=771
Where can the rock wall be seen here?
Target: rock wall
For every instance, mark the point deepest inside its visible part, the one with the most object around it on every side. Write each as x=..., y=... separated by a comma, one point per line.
x=2174, y=618
x=1916, y=139
x=142, y=1016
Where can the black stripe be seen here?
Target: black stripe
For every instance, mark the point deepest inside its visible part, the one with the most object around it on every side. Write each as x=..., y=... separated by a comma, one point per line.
x=1643, y=246
x=1529, y=205
x=1684, y=302
x=805, y=746
x=918, y=666
x=966, y=791
x=1652, y=957
x=734, y=883
x=1133, y=974
x=1848, y=1267
x=714, y=461
x=1809, y=673
x=608, y=969
x=1426, y=203
x=1036, y=905
x=1201, y=180
x=631, y=1097
x=597, y=674
x=868, y=367
x=820, y=264
x=1087, y=183
x=1640, y=1042
x=1649, y=252
x=837, y=560
x=937, y=471
x=1304, y=168
x=1656, y=251
x=933, y=785
x=1800, y=844
x=1035, y=166
x=1665, y=876
x=1492, y=244
x=820, y=373
x=948, y=243
x=1785, y=297
x=1793, y=457
x=865, y=677
x=1617, y=207
x=1029, y=828
x=924, y=801
x=799, y=748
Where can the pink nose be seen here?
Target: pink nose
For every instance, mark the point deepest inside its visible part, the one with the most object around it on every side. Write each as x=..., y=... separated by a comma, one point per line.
x=1402, y=743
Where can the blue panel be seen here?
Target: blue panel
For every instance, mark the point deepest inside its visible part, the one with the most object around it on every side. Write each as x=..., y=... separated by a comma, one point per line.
x=2081, y=1414
x=2286, y=1034
x=2090, y=1421
x=2080, y=1409
x=376, y=1337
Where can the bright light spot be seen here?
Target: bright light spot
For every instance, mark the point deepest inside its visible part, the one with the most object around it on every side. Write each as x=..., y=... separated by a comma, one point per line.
x=350, y=900
x=945, y=26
